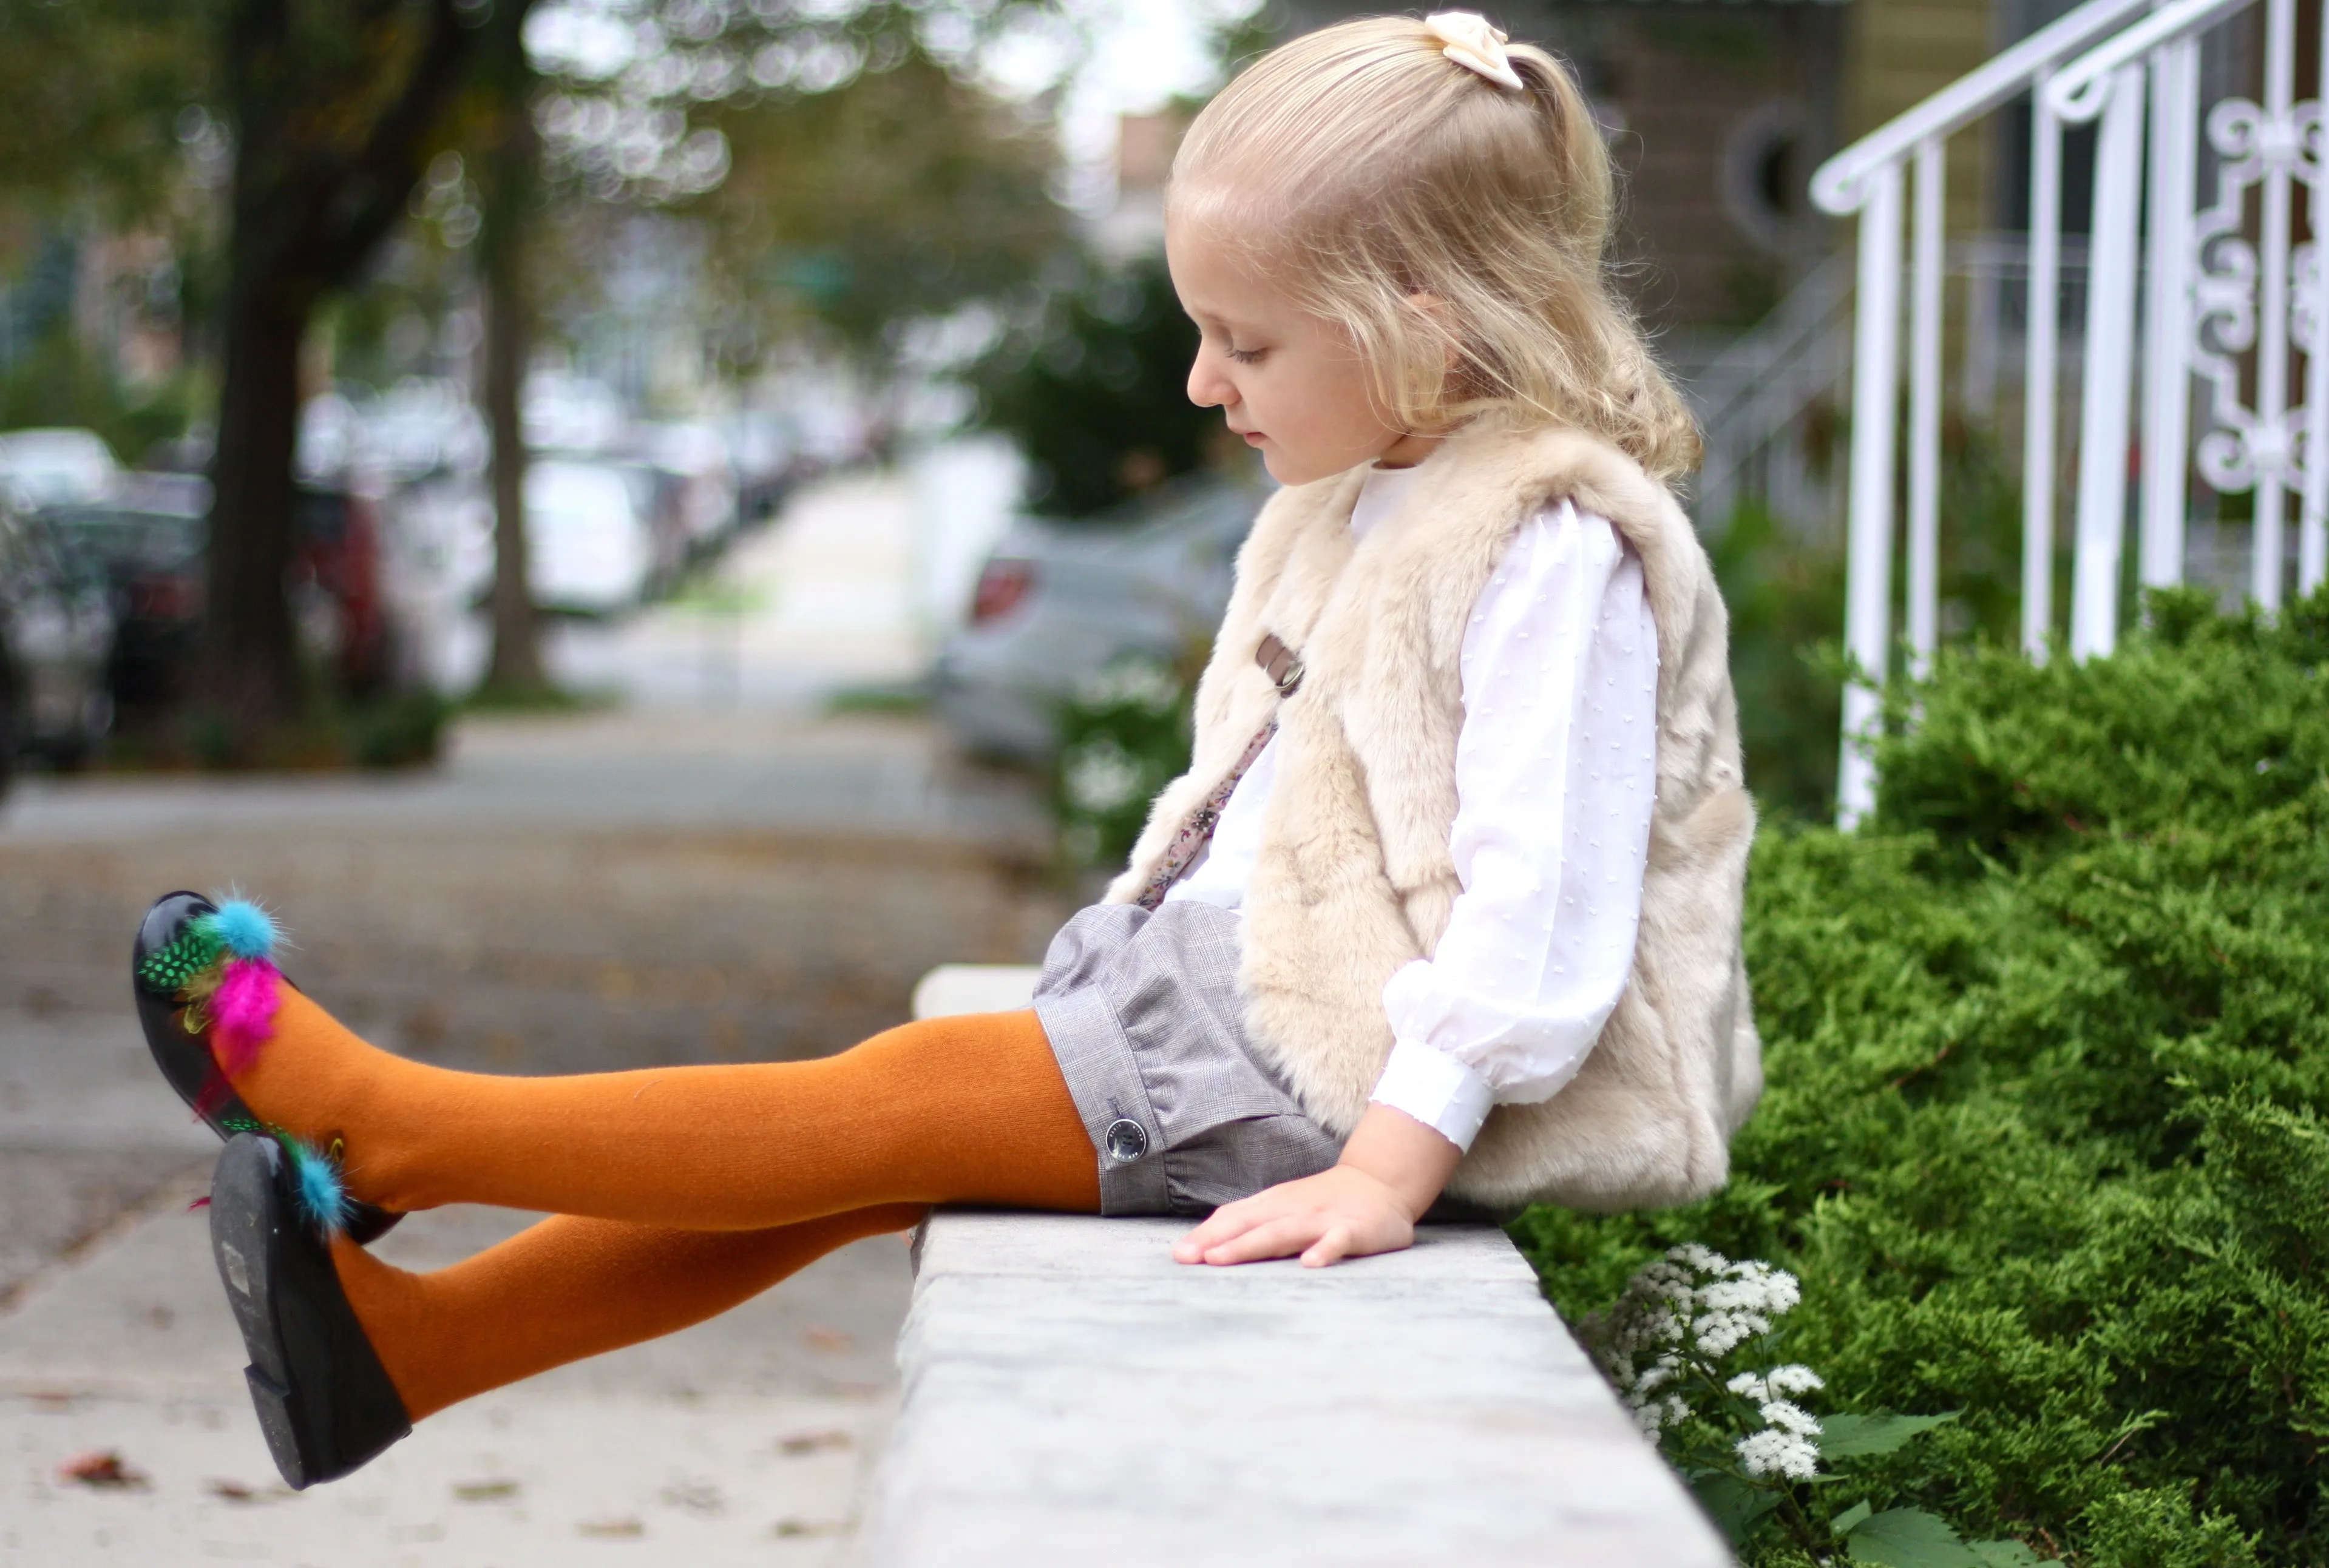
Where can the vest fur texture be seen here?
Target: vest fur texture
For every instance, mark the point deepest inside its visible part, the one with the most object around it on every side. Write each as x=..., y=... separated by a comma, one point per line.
x=1355, y=877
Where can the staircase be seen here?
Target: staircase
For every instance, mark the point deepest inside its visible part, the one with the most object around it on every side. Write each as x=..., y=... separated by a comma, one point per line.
x=2191, y=354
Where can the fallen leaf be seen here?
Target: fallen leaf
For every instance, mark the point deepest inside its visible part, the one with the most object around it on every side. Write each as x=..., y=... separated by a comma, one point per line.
x=103, y=1468
x=238, y=1492
x=810, y=1526
x=492, y=1491
x=613, y=1529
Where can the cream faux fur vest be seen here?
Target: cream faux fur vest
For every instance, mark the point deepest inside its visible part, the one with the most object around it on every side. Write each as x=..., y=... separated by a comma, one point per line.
x=1355, y=877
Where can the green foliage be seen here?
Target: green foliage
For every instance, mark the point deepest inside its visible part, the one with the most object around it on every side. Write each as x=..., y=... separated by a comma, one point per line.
x=1124, y=736
x=1095, y=392
x=2046, y=1137
x=97, y=93
x=905, y=191
x=58, y=381
x=1784, y=587
x=1785, y=598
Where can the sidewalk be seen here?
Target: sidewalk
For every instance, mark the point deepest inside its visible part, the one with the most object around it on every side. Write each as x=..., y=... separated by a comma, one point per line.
x=742, y=1440
x=710, y=873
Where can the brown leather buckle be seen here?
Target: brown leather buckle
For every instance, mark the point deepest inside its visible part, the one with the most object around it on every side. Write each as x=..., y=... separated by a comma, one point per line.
x=1281, y=663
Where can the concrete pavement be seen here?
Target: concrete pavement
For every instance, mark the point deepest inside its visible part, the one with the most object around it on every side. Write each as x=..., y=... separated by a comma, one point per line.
x=665, y=882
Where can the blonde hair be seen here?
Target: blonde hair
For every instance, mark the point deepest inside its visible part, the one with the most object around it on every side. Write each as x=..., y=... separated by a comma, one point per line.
x=1364, y=167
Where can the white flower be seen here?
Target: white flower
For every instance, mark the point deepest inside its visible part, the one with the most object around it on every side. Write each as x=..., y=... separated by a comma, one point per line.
x=1779, y=1380
x=1130, y=683
x=1683, y=1313
x=1101, y=775
x=1788, y=1415
x=1793, y=1379
x=1772, y=1451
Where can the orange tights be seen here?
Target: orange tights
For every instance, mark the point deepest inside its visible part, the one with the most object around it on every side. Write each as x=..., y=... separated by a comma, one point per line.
x=681, y=1191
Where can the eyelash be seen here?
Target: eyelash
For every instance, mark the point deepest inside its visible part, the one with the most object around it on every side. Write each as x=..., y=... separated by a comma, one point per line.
x=1245, y=356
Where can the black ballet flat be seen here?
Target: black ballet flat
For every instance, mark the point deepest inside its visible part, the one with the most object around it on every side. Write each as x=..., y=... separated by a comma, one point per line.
x=182, y=1049
x=324, y=1402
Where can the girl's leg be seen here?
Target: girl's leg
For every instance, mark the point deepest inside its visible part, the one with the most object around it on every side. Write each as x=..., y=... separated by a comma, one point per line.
x=567, y=1289
x=966, y=1109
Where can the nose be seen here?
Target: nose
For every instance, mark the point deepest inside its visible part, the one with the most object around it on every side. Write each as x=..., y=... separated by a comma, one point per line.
x=1207, y=387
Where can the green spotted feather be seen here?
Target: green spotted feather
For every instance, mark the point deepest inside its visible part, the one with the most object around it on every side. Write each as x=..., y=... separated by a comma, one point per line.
x=197, y=947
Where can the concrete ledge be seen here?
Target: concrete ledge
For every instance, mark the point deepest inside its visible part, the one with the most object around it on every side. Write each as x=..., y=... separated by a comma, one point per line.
x=1074, y=1396
x=974, y=987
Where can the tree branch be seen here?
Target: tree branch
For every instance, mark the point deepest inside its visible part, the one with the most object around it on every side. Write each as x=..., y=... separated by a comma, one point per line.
x=358, y=218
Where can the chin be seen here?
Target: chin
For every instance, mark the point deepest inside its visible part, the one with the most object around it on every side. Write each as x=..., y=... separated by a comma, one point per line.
x=1289, y=469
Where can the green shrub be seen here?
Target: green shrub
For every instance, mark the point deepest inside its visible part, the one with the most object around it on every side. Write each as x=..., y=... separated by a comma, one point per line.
x=2044, y=1137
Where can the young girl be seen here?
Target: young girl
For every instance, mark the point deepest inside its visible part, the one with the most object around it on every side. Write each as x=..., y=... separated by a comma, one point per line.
x=1447, y=902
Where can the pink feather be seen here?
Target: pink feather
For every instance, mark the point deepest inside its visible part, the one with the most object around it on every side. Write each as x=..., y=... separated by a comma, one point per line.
x=242, y=1012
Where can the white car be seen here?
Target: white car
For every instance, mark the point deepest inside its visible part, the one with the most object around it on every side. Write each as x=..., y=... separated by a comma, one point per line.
x=591, y=538
x=58, y=467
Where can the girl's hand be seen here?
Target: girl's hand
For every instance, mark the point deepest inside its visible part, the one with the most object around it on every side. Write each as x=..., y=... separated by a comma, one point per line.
x=1391, y=1169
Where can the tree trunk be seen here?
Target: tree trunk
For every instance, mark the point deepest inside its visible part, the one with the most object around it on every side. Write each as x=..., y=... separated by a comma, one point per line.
x=248, y=673
x=508, y=184
x=331, y=110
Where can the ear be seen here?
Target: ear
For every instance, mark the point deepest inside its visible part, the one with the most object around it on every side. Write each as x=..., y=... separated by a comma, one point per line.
x=1441, y=317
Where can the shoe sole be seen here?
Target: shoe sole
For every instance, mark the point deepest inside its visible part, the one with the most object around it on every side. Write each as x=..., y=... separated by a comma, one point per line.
x=325, y=1404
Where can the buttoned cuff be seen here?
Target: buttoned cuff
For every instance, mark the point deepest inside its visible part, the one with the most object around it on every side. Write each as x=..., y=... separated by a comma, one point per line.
x=1437, y=1090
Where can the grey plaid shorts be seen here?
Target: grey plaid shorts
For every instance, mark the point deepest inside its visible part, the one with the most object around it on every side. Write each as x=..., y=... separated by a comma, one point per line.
x=1143, y=1013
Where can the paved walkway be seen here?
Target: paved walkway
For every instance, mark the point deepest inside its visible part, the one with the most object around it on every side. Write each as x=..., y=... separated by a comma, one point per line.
x=701, y=875
x=743, y=1441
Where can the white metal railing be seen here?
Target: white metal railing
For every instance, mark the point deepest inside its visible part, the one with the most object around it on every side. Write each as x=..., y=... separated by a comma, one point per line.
x=2177, y=296
x=1763, y=401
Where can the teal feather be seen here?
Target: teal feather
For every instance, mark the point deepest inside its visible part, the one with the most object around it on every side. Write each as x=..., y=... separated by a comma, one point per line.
x=247, y=929
x=316, y=1189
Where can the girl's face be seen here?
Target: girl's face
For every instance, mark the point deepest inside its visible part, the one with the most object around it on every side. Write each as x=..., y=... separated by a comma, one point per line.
x=1288, y=381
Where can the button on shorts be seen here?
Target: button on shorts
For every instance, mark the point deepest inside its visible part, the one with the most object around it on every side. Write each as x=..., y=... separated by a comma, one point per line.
x=1143, y=1014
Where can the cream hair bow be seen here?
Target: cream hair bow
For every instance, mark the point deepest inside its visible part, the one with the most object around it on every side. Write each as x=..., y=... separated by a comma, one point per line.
x=1466, y=38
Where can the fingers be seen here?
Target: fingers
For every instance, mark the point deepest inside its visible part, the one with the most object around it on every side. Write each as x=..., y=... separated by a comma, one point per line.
x=1224, y=1223
x=1277, y=1238
x=1331, y=1248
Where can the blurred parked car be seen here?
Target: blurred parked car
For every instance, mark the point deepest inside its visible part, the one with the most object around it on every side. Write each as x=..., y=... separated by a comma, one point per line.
x=149, y=540
x=57, y=467
x=56, y=630
x=698, y=474
x=1058, y=602
x=591, y=530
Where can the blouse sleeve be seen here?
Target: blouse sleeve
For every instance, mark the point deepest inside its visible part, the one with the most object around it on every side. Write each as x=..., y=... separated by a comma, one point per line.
x=1555, y=774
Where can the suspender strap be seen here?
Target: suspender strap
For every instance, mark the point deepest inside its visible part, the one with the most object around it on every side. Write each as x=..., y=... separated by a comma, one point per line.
x=1283, y=665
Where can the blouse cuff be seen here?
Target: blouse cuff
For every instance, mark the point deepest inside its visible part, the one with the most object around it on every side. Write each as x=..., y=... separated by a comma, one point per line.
x=1437, y=1090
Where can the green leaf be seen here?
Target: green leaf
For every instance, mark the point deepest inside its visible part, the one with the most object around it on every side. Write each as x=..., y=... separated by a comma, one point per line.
x=1843, y=1437
x=1733, y=1504
x=1845, y=1523
x=2004, y=1554
x=1910, y=1538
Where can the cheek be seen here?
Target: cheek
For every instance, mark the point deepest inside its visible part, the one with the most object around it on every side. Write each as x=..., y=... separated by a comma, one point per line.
x=1339, y=402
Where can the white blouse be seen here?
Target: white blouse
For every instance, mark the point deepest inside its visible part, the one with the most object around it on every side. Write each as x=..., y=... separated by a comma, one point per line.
x=1555, y=774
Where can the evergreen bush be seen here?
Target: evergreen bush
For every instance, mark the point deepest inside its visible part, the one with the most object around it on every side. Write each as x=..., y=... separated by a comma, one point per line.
x=2044, y=1134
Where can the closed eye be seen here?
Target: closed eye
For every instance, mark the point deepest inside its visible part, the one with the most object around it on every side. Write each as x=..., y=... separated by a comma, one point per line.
x=1245, y=356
